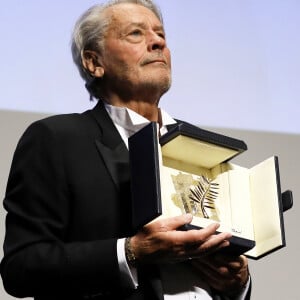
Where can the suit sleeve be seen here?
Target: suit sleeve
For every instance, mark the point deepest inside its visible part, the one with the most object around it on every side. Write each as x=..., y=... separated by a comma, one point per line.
x=38, y=258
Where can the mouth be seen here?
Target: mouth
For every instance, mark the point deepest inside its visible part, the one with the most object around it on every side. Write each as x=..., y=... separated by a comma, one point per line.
x=158, y=61
x=154, y=61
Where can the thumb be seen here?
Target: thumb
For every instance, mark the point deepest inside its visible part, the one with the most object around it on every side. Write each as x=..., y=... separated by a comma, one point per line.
x=172, y=223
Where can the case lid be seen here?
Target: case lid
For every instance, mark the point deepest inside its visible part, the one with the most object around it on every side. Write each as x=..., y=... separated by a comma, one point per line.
x=184, y=142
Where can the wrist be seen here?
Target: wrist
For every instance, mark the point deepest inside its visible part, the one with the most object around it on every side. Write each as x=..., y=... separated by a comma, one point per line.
x=130, y=256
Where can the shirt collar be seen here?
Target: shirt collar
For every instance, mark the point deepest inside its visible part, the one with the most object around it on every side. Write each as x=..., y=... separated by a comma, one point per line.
x=132, y=121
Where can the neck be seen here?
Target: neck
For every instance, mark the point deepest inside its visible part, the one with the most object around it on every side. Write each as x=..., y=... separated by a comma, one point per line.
x=141, y=99
x=147, y=110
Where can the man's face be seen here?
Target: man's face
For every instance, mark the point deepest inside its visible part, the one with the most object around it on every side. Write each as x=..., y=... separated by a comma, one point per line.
x=135, y=57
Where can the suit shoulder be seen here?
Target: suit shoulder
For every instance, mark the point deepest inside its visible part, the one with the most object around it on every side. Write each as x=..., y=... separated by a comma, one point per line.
x=61, y=120
x=60, y=129
x=64, y=123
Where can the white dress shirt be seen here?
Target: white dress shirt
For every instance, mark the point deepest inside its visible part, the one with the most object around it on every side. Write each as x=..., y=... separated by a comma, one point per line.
x=178, y=280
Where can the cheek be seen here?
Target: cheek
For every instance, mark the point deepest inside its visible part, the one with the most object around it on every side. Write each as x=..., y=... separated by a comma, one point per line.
x=167, y=54
x=135, y=54
x=130, y=57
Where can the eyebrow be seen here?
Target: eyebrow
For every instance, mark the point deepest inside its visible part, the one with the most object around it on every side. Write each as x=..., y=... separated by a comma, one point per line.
x=143, y=25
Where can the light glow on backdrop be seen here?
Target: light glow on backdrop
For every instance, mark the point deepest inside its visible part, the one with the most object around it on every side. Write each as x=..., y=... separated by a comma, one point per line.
x=236, y=63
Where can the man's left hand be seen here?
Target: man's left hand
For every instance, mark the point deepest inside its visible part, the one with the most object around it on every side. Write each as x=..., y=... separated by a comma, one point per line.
x=224, y=273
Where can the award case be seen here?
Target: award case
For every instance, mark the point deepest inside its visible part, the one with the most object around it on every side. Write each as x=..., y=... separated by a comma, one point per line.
x=188, y=170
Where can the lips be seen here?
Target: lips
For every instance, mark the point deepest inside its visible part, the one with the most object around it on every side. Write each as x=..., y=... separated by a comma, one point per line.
x=157, y=61
x=154, y=60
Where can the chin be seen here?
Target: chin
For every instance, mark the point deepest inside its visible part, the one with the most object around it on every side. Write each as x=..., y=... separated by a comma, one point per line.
x=161, y=84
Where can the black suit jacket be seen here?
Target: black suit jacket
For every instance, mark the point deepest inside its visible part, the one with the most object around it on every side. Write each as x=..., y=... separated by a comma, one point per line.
x=68, y=201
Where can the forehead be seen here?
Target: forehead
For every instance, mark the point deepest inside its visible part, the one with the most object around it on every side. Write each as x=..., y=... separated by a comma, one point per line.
x=127, y=13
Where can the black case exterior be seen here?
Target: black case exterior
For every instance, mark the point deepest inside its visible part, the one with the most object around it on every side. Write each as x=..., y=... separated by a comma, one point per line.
x=145, y=177
x=144, y=164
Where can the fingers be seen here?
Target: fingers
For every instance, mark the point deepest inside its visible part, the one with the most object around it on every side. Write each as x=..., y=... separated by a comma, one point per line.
x=195, y=241
x=219, y=280
x=198, y=242
x=238, y=264
x=169, y=224
x=234, y=263
x=206, y=241
x=160, y=241
x=226, y=266
x=196, y=235
x=231, y=276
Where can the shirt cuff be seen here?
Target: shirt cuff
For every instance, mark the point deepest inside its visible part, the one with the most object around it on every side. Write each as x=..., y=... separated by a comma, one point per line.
x=129, y=278
x=243, y=293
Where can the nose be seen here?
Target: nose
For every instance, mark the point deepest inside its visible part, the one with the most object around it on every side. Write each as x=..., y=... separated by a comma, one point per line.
x=156, y=42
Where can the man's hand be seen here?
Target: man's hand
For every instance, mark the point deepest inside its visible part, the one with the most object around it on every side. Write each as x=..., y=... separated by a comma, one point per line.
x=161, y=242
x=226, y=274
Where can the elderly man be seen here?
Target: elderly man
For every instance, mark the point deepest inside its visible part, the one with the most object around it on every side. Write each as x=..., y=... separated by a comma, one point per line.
x=68, y=196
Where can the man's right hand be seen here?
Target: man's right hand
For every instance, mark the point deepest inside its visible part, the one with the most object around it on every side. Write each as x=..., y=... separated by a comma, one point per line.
x=160, y=241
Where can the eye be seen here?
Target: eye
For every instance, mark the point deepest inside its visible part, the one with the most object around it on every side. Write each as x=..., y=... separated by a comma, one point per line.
x=161, y=34
x=135, y=35
x=136, y=32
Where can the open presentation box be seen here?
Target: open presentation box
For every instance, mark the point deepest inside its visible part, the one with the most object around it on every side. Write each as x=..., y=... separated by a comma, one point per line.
x=188, y=170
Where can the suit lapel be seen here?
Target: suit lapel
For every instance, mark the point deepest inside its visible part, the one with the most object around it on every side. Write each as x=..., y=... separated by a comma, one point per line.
x=111, y=147
x=116, y=161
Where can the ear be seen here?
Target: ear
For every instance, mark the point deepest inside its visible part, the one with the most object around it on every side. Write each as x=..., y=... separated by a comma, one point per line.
x=91, y=62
